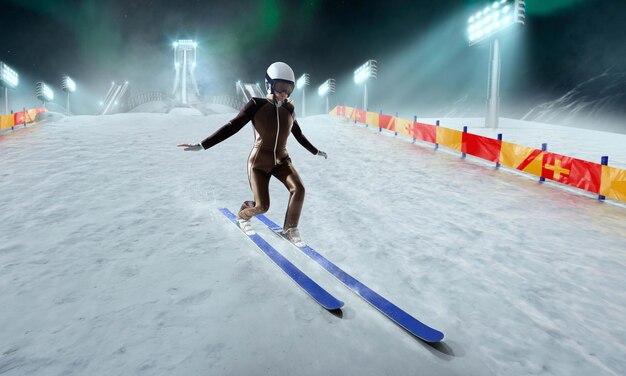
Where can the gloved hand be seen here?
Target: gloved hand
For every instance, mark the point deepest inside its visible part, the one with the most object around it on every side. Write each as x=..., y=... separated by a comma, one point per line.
x=190, y=147
x=322, y=154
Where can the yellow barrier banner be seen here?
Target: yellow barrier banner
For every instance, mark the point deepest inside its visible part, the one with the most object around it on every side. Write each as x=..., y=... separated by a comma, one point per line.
x=521, y=158
x=7, y=121
x=349, y=113
x=450, y=138
x=371, y=118
x=334, y=111
x=613, y=183
x=32, y=114
x=403, y=127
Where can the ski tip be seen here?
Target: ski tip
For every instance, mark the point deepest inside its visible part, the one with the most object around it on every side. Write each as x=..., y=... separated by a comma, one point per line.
x=336, y=306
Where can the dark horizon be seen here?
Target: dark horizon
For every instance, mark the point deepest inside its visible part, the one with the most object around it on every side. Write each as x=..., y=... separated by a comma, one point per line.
x=424, y=59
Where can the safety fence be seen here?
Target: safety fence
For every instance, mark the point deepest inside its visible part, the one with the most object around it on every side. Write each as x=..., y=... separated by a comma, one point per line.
x=11, y=121
x=601, y=179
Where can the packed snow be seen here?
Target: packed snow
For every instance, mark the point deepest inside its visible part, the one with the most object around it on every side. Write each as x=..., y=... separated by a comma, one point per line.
x=114, y=259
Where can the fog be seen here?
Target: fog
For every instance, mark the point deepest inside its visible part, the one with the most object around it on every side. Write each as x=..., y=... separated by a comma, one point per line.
x=425, y=66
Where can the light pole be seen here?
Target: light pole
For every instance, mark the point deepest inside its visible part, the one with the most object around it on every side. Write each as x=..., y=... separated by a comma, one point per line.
x=44, y=93
x=68, y=86
x=8, y=79
x=364, y=73
x=326, y=89
x=486, y=25
x=302, y=82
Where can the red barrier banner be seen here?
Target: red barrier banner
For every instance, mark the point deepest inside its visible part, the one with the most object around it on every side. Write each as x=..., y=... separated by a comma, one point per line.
x=360, y=116
x=571, y=171
x=21, y=117
x=481, y=147
x=424, y=132
x=341, y=110
x=386, y=122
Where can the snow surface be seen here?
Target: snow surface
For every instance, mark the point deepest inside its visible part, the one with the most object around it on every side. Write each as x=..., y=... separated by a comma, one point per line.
x=115, y=261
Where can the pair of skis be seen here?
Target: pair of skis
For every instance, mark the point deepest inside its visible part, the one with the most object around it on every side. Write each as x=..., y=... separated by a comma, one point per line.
x=323, y=297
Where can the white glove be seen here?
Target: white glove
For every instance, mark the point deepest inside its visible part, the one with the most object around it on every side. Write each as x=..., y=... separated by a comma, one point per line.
x=191, y=147
x=322, y=154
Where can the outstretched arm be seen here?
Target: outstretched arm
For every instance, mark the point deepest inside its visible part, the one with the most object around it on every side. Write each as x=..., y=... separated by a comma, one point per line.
x=232, y=127
x=297, y=132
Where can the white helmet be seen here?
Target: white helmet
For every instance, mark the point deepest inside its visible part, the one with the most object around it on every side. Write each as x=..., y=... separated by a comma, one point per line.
x=278, y=71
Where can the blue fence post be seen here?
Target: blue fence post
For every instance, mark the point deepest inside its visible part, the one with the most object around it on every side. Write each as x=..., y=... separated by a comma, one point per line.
x=395, y=133
x=463, y=155
x=499, y=139
x=436, y=144
x=380, y=129
x=544, y=147
x=414, y=121
x=24, y=116
x=604, y=162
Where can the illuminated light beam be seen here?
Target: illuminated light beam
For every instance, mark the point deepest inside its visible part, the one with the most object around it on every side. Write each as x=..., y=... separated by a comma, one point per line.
x=301, y=83
x=325, y=89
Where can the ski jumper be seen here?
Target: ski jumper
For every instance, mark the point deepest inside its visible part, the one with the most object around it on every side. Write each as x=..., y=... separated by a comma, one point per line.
x=272, y=123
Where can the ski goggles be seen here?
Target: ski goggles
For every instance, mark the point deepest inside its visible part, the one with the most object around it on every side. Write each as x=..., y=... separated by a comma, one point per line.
x=283, y=87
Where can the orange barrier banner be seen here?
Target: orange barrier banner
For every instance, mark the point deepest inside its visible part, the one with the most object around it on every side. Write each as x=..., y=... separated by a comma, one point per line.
x=450, y=138
x=521, y=158
x=571, y=171
x=402, y=126
x=481, y=147
x=613, y=183
x=372, y=118
x=7, y=121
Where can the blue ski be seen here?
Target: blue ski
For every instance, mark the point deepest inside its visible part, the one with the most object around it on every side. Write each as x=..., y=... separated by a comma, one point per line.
x=400, y=317
x=323, y=297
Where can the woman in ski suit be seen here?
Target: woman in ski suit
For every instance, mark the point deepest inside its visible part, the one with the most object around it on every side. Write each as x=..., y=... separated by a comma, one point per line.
x=273, y=119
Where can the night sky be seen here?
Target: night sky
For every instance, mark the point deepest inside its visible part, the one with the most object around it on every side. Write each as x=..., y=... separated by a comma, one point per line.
x=424, y=59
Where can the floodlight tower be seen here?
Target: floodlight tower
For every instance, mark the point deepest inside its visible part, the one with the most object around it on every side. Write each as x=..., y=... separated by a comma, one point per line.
x=326, y=89
x=8, y=79
x=303, y=82
x=364, y=73
x=44, y=93
x=487, y=25
x=185, y=65
x=68, y=86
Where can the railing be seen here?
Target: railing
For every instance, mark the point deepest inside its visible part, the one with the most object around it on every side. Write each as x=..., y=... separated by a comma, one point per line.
x=226, y=100
x=24, y=117
x=598, y=178
x=150, y=96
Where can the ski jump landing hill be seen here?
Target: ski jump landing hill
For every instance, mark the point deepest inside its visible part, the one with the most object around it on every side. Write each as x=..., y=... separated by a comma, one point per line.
x=114, y=258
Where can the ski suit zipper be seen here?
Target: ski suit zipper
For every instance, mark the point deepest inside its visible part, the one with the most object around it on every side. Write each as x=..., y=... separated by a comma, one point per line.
x=277, y=132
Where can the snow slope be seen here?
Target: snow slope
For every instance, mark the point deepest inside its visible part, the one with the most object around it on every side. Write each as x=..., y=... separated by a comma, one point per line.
x=115, y=260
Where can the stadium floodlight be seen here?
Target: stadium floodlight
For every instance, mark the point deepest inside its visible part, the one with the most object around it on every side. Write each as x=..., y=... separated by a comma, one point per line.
x=362, y=74
x=500, y=15
x=44, y=93
x=302, y=83
x=326, y=89
x=8, y=79
x=487, y=25
x=68, y=86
